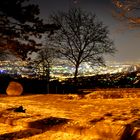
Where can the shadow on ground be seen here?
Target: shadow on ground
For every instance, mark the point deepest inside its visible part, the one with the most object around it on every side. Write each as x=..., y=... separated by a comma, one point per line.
x=131, y=131
x=36, y=127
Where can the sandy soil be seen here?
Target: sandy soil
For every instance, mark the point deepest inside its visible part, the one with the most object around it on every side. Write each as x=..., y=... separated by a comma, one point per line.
x=67, y=117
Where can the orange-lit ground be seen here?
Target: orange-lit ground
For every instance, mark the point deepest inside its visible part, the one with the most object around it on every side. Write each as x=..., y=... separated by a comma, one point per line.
x=69, y=117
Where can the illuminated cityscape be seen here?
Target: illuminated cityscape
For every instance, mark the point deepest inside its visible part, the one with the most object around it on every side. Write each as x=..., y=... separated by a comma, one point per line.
x=17, y=68
x=27, y=70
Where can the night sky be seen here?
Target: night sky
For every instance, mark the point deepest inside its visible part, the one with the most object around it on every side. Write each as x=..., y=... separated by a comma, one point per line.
x=125, y=40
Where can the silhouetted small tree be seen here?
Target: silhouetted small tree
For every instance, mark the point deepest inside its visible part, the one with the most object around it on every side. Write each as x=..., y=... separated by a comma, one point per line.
x=44, y=61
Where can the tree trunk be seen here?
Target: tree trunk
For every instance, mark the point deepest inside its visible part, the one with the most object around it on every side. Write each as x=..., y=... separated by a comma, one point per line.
x=76, y=73
x=48, y=78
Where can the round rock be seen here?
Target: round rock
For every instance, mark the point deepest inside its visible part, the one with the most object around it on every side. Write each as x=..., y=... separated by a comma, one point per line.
x=14, y=89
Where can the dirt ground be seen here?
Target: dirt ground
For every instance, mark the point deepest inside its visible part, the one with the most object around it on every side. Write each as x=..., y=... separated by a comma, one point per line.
x=69, y=117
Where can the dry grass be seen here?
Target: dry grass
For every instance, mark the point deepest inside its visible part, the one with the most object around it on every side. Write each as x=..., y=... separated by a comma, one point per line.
x=113, y=93
x=97, y=116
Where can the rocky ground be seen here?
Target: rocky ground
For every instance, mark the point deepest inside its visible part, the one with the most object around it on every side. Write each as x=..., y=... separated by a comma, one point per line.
x=70, y=117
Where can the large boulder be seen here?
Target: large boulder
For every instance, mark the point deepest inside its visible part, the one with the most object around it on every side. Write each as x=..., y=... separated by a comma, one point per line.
x=14, y=89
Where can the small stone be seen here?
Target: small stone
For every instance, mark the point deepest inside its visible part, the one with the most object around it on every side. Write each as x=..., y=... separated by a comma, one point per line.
x=20, y=109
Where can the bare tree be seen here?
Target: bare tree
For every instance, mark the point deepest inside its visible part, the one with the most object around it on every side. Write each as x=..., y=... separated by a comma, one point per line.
x=81, y=38
x=44, y=61
x=127, y=10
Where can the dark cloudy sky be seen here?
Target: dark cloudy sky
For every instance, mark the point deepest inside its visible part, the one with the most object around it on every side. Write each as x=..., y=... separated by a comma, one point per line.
x=126, y=41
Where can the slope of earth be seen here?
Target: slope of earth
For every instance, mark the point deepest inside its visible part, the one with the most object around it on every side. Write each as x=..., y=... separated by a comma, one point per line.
x=68, y=117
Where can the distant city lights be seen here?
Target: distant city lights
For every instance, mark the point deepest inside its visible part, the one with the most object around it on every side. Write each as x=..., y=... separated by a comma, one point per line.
x=24, y=69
